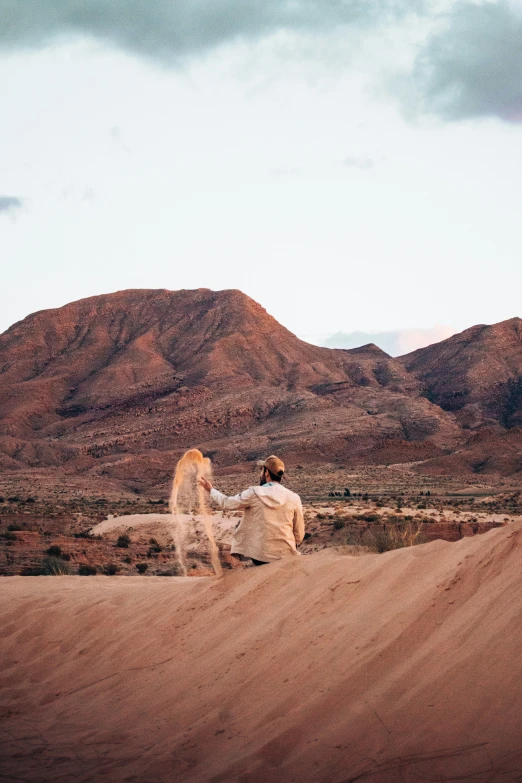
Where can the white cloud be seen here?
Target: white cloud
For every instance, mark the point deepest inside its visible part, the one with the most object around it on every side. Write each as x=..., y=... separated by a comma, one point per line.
x=395, y=343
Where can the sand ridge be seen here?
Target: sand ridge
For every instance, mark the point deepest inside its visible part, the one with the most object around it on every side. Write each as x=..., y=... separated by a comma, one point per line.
x=396, y=667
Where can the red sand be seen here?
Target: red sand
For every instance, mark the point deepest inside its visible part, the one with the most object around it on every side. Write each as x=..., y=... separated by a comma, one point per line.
x=398, y=667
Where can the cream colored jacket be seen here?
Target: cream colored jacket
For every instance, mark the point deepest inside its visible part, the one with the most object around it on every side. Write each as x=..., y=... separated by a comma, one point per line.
x=272, y=524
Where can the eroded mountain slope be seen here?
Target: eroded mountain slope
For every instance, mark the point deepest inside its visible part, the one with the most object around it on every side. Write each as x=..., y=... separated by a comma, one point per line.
x=109, y=384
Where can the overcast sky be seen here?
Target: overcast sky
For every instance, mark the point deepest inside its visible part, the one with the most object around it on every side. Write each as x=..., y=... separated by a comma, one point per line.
x=353, y=165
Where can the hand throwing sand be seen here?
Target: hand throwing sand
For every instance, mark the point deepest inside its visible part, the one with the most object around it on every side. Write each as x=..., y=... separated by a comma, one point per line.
x=272, y=525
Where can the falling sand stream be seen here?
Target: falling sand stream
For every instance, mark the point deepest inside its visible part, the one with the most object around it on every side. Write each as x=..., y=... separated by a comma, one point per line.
x=188, y=495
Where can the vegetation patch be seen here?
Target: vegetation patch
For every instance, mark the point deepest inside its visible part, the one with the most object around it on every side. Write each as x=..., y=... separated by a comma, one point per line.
x=123, y=541
x=86, y=570
x=55, y=566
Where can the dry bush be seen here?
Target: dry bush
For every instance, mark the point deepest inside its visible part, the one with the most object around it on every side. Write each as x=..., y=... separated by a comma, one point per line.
x=354, y=545
x=354, y=550
x=55, y=566
x=87, y=570
x=397, y=535
x=368, y=516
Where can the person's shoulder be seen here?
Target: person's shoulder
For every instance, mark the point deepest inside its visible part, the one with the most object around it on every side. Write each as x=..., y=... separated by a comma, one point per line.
x=293, y=496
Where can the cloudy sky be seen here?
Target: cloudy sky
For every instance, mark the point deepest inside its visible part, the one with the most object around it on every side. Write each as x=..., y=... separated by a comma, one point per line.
x=353, y=165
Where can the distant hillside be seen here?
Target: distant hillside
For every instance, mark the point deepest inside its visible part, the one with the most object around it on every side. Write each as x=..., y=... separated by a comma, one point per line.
x=476, y=374
x=117, y=385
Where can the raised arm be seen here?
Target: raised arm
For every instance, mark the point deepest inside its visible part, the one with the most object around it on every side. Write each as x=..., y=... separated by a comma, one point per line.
x=224, y=502
x=243, y=500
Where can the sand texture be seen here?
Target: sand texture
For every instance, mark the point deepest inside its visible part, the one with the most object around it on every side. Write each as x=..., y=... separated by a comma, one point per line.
x=405, y=667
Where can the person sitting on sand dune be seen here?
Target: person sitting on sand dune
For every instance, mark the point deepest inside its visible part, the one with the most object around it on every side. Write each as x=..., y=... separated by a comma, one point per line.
x=272, y=525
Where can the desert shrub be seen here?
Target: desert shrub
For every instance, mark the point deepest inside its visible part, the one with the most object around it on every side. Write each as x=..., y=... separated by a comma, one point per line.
x=127, y=559
x=154, y=546
x=353, y=545
x=123, y=541
x=338, y=523
x=141, y=567
x=13, y=527
x=352, y=537
x=30, y=500
x=2, y=499
x=370, y=516
x=86, y=570
x=55, y=551
x=394, y=536
x=382, y=541
x=111, y=569
x=83, y=534
x=14, y=499
x=55, y=566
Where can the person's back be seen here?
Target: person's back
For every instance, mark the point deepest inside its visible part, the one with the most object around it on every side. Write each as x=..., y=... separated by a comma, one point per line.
x=272, y=525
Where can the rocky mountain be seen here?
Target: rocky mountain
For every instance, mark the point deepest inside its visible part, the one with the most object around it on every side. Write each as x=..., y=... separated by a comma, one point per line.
x=476, y=374
x=116, y=386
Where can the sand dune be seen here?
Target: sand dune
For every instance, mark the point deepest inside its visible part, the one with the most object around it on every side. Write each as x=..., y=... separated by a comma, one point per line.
x=398, y=667
x=130, y=521
x=161, y=524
